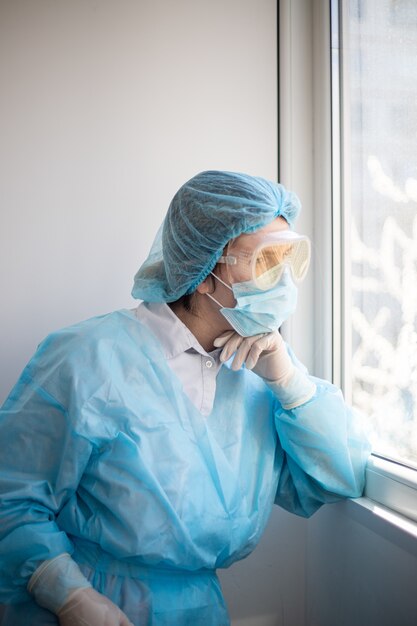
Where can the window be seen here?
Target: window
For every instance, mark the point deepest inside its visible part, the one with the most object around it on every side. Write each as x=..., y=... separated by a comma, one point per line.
x=346, y=147
x=378, y=104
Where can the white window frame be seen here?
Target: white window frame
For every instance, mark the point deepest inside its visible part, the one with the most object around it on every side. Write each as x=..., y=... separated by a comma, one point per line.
x=313, y=150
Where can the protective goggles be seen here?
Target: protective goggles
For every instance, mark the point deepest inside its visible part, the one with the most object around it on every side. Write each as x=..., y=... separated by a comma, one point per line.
x=265, y=263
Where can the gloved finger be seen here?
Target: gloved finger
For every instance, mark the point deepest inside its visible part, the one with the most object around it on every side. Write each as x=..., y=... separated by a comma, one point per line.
x=231, y=347
x=256, y=349
x=222, y=339
x=275, y=340
x=243, y=351
x=255, y=352
x=268, y=343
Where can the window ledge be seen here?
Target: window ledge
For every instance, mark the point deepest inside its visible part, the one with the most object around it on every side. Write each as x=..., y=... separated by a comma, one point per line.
x=393, y=486
x=403, y=524
x=389, y=504
x=386, y=523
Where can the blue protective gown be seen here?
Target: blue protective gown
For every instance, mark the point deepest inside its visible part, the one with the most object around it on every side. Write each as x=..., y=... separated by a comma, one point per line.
x=102, y=455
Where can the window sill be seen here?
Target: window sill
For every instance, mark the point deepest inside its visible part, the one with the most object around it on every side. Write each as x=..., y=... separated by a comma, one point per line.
x=392, y=485
x=389, y=504
x=393, y=527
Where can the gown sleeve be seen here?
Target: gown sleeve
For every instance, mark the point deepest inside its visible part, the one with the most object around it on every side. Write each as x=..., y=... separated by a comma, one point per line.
x=322, y=450
x=42, y=460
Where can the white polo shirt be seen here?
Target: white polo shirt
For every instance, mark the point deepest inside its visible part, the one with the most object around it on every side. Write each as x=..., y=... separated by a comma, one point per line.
x=196, y=368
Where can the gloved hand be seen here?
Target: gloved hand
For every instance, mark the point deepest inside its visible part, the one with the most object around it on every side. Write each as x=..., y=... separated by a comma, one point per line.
x=59, y=585
x=87, y=607
x=267, y=356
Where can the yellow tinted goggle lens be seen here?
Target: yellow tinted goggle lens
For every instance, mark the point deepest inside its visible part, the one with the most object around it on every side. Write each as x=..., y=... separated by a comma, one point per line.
x=269, y=278
x=272, y=258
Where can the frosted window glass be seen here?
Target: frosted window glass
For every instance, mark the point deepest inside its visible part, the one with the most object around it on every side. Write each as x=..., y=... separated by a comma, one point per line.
x=382, y=78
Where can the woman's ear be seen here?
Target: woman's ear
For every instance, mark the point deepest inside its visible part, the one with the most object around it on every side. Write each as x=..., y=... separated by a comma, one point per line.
x=205, y=286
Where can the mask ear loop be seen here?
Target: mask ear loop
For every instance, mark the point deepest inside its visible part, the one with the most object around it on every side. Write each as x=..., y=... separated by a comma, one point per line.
x=225, y=284
x=227, y=261
x=221, y=281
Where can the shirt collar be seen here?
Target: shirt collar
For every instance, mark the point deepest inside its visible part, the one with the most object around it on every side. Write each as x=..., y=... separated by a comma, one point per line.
x=174, y=335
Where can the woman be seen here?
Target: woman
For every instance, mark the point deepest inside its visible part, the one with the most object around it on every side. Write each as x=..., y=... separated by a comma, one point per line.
x=143, y=449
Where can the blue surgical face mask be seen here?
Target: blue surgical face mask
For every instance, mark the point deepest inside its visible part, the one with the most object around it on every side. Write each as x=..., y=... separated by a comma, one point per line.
x=258, y=311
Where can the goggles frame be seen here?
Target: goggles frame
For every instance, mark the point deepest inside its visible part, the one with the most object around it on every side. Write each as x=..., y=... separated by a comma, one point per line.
x=249, y=258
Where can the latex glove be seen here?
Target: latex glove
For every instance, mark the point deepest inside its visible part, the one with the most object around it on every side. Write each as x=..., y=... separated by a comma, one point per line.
x=54, y=580
x=267, y=356
x=59, y=585
x=87, y=607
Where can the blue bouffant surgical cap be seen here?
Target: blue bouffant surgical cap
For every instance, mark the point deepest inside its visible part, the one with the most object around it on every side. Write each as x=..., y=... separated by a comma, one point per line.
x=205, y=213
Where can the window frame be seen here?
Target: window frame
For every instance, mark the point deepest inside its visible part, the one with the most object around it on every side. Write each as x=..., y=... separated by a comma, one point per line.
x=312, y=80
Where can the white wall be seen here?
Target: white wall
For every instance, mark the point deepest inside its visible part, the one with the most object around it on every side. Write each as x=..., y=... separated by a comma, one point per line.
x=107, y=107
x=361, y=570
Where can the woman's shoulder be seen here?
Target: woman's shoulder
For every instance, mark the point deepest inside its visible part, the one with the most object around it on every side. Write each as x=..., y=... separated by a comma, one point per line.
x=89, y=332
x=90, y=345
x=86, y=355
